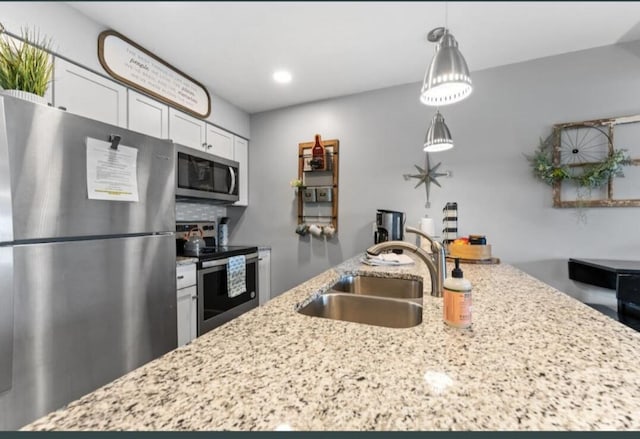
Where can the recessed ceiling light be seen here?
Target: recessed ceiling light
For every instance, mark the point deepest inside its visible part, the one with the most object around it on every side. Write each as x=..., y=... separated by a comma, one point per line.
x=282, y=77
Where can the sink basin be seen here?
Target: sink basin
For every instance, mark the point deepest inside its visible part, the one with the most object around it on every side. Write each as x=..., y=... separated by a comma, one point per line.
x=380, y=287
x=391, y=313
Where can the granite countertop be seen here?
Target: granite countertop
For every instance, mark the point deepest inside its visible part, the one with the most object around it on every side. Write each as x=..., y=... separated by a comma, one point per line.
x=535, y=359
x=185, y=260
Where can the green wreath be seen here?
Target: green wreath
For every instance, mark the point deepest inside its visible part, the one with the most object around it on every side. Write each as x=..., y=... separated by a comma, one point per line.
x=593, y=175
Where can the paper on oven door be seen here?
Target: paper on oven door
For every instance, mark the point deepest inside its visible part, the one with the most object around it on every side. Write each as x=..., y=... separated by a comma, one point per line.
x=111, y=173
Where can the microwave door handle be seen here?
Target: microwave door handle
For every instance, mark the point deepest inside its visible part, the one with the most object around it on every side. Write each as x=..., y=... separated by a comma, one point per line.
x=232, y=172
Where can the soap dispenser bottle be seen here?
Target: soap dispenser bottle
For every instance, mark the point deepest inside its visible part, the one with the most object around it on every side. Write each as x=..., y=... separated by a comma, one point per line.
x=457, y=299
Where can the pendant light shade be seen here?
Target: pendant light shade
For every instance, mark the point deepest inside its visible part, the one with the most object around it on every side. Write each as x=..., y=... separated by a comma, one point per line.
x=438, y=137
x=447, y=79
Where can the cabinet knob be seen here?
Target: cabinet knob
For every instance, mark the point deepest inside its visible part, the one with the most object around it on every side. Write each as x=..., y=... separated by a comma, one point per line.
x=180, y=277
x=209, y=146
x=194, y=297
x=204, y=145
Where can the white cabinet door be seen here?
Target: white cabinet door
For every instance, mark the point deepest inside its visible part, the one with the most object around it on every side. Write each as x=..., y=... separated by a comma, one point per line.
x=241, y=155
x=184, y=316
x=219, y=142
x=87, y=94
x=147, y=116
x=187, y=317
x=264, y=276
x=186, y=130
x=187, y=305
x=193, y=328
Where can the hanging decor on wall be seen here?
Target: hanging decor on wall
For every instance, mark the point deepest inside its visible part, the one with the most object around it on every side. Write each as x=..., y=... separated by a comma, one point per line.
x=140, y=69
x=582, y=156
x=426, y=176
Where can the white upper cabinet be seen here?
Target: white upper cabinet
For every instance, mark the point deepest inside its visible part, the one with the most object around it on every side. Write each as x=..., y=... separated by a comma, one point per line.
x=220, y=142
x=148, y=116
x=88, y=94
x=187, y=130
x=241, y=155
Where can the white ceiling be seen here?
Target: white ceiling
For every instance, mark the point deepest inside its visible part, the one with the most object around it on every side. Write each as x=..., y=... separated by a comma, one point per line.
x=340, y=48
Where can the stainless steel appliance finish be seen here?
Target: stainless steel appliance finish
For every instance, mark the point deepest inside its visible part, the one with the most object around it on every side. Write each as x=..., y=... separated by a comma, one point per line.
x=214, y=306
x=93, y=281
x=6, y=266
x=390, y=226
x=206, y=177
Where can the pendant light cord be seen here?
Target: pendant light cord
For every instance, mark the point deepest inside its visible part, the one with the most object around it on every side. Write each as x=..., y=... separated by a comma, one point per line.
x=446, y=15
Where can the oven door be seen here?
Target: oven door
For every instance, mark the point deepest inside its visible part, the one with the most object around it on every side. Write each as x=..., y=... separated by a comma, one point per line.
x=215, y=307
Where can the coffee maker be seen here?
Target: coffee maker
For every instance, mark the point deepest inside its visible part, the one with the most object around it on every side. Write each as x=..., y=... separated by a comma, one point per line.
x=389, y=226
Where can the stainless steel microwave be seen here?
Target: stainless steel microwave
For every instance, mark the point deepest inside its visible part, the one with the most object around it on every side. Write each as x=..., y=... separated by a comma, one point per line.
x=205, y=177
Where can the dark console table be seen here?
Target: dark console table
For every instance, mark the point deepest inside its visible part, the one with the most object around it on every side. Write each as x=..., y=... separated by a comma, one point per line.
x=621, y=276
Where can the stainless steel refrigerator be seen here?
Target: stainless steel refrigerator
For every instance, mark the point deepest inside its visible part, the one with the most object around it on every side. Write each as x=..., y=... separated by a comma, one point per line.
x=87, y=286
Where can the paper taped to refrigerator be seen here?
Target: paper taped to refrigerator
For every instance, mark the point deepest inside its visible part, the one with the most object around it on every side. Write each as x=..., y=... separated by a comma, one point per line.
x=111, y=173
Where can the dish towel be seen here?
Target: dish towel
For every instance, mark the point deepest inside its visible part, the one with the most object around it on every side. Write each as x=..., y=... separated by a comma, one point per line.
x=236, y=275
x=387, y=259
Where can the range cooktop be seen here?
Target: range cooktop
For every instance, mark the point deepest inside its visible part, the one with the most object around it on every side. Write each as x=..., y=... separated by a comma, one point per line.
x=207, y=229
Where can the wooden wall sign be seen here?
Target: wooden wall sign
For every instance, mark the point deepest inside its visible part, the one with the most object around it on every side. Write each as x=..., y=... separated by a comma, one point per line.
x=140, y=69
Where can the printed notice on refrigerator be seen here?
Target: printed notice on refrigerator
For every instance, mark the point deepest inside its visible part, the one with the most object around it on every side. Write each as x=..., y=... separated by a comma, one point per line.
x=111, y=173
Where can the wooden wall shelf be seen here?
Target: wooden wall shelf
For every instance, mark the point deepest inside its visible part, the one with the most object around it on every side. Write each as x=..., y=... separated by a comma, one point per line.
x=321, y=212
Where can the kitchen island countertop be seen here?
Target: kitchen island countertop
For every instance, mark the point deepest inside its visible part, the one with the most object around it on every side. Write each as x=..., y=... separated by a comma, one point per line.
x=534, y=359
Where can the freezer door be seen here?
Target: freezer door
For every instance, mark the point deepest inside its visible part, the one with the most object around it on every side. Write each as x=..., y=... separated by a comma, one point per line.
x=48, y=166
x=86, y=312
x=6, y=317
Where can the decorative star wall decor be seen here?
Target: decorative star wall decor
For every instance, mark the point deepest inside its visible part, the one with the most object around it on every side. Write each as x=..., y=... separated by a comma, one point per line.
x=427, y=175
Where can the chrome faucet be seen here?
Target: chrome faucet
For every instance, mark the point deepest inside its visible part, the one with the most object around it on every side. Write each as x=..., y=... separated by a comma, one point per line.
x=436, y=285
x=438, y=254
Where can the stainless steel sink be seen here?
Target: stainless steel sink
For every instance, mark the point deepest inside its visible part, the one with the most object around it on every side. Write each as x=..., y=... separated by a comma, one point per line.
x=392, y=313
x=380, y=287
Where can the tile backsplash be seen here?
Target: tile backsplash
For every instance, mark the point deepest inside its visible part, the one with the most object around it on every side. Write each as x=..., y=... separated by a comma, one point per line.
x=198, y=211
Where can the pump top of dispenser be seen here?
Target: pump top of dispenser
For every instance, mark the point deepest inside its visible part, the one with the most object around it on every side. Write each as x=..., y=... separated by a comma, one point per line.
x=457, y=272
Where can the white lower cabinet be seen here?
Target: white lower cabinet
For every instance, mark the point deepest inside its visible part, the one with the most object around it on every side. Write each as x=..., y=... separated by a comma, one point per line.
x=187, y=303
x=83, y=92
x=264, y=276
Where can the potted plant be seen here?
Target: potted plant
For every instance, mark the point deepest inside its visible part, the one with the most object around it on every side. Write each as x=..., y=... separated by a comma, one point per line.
x=25, y=67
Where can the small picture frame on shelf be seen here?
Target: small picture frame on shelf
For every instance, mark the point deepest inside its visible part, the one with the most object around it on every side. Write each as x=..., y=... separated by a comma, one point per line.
x=309, y=195
x=323, y=194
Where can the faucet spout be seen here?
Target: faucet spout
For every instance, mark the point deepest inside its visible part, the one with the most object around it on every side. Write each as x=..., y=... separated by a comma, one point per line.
x=439, y=256
x=436, y=286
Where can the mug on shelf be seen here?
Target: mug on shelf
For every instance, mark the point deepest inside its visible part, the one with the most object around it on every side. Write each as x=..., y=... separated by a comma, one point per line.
x=328, y=231
x=302, y=229
x=315, y=230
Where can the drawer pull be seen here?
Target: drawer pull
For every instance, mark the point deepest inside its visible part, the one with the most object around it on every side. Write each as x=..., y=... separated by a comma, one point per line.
x=180, y=277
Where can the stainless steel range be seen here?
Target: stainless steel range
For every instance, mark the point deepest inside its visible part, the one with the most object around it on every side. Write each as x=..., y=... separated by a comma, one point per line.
x=224, y=292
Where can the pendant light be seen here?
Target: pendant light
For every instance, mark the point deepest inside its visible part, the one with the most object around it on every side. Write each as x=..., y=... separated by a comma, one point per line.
x=438, y=137
x=447, y=79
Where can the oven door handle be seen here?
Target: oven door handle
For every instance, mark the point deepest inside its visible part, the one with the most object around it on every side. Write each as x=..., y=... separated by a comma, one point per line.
x=221, y=264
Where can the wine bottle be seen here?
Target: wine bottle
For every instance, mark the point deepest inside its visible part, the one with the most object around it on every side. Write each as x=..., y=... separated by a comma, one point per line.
x=318, y=162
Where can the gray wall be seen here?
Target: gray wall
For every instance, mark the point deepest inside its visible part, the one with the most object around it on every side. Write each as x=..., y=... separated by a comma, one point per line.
x=75, y=37
x=381, y=134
